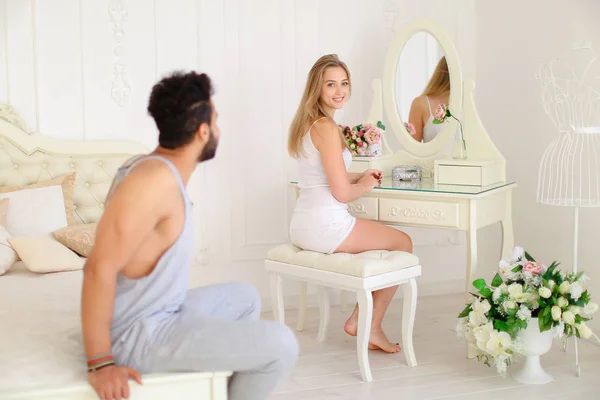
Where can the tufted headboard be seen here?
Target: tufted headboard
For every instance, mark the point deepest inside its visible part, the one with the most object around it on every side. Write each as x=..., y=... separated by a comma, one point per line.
x=31, y=158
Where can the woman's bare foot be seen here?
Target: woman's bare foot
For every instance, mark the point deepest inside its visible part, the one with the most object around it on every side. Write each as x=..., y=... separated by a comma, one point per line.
x=351, y=327
x=377, y=341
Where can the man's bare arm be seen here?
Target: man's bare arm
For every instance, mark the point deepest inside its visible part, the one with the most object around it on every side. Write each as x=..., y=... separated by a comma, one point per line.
x=132, y=213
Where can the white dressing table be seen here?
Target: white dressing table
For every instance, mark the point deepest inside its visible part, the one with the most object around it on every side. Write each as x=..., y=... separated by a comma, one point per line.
x=455, y=207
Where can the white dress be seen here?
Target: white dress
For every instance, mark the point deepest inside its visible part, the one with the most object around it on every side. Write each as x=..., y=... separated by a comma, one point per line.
x=320, y=222
x=430, y=130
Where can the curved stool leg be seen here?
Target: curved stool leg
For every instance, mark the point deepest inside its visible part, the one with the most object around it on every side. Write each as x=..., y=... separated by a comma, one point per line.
x=301, y=307
x=365, y=315
x=323, y=312
x=409, y=310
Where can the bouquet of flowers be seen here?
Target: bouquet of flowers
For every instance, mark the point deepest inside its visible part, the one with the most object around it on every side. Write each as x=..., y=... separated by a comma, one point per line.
x=364, y=139
x=523, y=291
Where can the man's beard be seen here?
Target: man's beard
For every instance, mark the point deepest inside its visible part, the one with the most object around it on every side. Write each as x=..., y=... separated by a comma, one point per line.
x=210, y=149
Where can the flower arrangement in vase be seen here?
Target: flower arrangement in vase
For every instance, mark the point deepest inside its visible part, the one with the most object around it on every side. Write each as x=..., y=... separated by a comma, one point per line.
x=441, y=114
x=364, y=139
x=524, y=296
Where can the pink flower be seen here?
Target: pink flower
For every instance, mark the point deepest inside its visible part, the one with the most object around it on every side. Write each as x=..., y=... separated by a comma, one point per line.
x=373, y=136
x=410, y=128
x=440, y=112
x=533, y=268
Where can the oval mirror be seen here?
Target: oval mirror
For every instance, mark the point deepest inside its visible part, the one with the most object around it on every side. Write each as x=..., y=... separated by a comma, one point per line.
x=421, y=72
x=422, y=84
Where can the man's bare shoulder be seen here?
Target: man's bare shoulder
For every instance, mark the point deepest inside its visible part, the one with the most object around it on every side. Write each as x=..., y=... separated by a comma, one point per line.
x=152, y=177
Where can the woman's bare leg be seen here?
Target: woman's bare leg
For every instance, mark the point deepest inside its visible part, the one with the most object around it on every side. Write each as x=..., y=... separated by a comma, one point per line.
x=369, y=235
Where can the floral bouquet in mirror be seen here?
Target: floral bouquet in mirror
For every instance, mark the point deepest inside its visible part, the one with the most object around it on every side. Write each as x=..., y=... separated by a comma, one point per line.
x=364, y=139
x=523, y=292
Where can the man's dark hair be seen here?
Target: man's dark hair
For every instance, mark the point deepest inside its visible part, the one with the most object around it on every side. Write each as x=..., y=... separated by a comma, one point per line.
x=179, y=104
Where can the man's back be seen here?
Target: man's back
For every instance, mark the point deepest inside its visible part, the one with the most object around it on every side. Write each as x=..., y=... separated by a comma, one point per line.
x=153, y=284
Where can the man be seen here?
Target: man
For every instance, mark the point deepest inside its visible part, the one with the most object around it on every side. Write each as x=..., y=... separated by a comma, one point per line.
x=137, y=314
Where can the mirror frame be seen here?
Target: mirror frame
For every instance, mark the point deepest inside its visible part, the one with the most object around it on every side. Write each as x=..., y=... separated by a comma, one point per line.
x=390, y=100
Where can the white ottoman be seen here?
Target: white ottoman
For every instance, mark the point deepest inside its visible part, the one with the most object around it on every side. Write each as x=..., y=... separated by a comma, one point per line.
x=362, y=273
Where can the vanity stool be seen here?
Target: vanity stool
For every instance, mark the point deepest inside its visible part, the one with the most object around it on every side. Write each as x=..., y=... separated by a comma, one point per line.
x=362, y=273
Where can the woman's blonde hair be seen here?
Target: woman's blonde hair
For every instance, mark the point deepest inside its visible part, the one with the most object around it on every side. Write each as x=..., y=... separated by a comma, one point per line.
x=439, y=84
x=310, y=107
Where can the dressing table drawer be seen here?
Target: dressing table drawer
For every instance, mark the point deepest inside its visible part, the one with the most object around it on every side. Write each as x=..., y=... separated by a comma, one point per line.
x=365, y=208
x=430, y=213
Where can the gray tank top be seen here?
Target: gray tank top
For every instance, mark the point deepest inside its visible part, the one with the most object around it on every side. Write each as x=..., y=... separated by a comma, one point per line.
x=143, y=305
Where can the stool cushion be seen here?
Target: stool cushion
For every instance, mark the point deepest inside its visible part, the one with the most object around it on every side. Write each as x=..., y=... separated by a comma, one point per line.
x=368, y=263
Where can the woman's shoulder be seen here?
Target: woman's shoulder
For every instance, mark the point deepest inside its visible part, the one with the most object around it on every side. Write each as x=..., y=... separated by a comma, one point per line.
x=324, y=125
x=420, y=100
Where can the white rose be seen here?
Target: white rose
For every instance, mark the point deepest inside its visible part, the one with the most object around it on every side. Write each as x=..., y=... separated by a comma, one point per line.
x=556, y=313
x=590, y=308
x=568, y=317
x=551, y=284
x=562, y=302
x=564, y=287
x=498, y=343
x=477, y=319
x=482, y=307
x=576, y=291
x=584, y=330
x=575, y=309
x=545, y=292
x=516, y=293
x=482, y=335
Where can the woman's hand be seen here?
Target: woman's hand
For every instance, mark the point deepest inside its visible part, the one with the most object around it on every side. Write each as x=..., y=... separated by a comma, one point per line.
x=375, y=172
x=111, y=383
x=369, y=181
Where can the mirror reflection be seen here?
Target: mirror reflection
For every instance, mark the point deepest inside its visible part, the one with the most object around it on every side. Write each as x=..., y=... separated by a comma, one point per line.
x=422, y=84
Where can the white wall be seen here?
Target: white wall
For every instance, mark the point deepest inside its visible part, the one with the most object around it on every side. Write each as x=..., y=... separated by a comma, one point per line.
x=514, y=38
x=60, y=63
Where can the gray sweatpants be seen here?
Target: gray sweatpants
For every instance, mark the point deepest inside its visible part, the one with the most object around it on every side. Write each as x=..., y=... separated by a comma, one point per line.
x=218, y=329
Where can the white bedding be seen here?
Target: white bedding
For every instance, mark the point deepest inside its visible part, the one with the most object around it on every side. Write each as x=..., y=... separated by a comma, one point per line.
x=40, y=331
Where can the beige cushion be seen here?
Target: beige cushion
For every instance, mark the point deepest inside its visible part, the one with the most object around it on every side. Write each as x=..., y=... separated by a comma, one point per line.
x=35, y=212
x=67, y=183
x=43, y=255
x=368, y=263
x=79, y=238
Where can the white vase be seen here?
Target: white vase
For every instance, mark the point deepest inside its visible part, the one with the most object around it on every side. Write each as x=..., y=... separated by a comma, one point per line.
x=374, y=150
x=535, y=344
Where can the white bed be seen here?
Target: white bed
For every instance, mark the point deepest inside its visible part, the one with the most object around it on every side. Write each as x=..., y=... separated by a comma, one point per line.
x=41, y=356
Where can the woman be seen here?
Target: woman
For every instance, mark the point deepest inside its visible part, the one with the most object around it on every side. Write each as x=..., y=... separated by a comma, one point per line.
x=321, y=221
x=421, y=110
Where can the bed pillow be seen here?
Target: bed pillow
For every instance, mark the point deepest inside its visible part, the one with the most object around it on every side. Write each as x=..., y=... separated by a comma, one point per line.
x=35, y=212
x=43, y=255
x=66, y=182
x=8, y=257
x=79, y=238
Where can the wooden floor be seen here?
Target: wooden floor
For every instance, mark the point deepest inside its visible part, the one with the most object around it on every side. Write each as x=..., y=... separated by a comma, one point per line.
x=329, y=371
